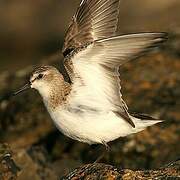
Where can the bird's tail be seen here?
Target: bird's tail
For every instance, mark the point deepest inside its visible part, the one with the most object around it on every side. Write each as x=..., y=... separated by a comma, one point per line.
x=142, y=121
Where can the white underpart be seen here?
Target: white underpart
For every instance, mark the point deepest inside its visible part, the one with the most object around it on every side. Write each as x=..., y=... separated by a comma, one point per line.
x=94, y=128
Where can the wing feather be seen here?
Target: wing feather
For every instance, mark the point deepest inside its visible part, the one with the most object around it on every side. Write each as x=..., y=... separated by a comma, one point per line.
x=96, y=77
x=94, y=19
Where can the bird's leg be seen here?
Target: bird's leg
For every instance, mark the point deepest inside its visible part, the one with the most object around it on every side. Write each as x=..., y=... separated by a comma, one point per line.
x=105, y=150
x=107, y=146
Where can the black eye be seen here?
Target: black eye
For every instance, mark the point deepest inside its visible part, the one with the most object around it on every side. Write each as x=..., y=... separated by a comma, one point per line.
x=40, y=76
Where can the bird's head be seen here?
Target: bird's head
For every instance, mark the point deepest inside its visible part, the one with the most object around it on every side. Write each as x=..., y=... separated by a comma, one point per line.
x=44, y=79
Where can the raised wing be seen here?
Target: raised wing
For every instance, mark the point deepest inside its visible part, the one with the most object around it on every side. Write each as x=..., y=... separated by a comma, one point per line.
x=94, y=19
x=96, y=74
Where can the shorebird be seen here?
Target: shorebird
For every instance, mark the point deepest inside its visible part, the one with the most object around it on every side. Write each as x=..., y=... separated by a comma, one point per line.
x=85, y=101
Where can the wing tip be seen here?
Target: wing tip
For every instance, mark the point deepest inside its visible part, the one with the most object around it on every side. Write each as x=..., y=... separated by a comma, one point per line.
x=144, y=116
x=126, y=118
x=161, y=36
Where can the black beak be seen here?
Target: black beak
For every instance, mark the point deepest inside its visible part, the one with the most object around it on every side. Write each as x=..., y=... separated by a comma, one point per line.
x=24, y=88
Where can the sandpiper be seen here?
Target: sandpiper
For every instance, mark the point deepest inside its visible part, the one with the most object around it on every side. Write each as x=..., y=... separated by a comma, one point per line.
x=88, y=107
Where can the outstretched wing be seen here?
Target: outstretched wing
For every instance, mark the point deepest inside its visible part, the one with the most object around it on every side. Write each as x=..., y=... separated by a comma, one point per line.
x=96, y=77
x=94, y=19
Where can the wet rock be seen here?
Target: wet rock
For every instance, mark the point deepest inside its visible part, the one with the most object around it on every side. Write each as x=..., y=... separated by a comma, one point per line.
x=103, y=171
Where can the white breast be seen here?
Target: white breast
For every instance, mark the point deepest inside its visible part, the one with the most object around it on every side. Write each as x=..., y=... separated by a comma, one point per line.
x=93, y=127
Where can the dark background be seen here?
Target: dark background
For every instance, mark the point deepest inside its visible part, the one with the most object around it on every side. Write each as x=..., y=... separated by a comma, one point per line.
x=33, y=31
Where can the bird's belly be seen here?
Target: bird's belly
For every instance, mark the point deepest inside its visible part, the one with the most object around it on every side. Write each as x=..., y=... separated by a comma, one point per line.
x=91, y=128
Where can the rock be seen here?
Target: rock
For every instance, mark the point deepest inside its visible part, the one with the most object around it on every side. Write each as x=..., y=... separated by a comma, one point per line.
x=34, y=165
x=103, y=171
x=8, y=168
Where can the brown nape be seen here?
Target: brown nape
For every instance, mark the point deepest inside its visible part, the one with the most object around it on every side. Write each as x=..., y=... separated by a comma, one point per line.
x=60, y=89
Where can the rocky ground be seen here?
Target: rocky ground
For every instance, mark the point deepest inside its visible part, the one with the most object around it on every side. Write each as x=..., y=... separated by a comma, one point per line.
x=32, y=148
